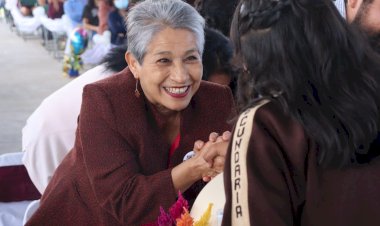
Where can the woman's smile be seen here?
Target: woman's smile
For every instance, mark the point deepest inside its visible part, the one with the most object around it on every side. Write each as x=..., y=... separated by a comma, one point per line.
x=177, y=92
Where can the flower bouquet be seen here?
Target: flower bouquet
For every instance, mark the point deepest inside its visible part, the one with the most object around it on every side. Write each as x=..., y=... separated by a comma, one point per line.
x=179, y=215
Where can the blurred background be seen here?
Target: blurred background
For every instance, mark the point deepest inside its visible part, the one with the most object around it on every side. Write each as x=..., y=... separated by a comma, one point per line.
x=28, y=73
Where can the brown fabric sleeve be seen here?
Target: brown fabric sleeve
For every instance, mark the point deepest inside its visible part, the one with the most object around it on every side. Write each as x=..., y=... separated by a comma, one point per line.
x=112, y=165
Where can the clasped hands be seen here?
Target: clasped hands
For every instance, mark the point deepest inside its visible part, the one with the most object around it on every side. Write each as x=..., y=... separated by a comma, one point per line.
x=212, y=153
x=207, y=162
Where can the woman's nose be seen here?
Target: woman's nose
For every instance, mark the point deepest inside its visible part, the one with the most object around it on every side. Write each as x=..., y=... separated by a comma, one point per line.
x=179, y=74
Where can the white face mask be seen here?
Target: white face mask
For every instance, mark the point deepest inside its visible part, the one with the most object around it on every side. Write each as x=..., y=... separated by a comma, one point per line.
x=121, y=4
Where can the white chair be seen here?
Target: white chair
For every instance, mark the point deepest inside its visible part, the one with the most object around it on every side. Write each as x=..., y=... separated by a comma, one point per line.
x=57, y=27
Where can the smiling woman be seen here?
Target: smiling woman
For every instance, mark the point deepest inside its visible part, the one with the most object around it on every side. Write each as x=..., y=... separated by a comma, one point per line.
x=172, y=69
x=136, y=127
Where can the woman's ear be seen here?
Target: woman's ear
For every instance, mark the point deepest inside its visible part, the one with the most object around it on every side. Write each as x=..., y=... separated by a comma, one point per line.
x=133, y=64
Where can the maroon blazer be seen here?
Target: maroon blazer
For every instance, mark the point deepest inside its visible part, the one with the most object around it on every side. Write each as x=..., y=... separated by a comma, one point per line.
x=286, y=186
x=117, y=172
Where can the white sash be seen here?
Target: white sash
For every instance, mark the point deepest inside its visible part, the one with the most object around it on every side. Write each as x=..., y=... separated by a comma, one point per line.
x=239, y=179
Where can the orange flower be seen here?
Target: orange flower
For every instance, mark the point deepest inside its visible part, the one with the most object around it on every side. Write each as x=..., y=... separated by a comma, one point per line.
x=185, y=220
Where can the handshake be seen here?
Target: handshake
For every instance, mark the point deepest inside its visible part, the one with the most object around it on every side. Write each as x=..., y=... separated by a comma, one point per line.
x=207, y=161
x=211, y=154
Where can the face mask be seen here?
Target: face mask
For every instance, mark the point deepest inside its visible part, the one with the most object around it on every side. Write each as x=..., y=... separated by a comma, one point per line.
x=121, y=4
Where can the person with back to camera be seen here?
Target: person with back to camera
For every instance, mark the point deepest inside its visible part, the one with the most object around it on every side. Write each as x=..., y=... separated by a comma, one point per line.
x=136, y=127
x=313, y=152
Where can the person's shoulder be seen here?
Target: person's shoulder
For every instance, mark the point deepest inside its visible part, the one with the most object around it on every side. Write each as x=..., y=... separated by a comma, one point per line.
x=283, y=128
x=272, y=116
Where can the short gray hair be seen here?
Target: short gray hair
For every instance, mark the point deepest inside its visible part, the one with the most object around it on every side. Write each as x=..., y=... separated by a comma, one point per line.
x=148, y=17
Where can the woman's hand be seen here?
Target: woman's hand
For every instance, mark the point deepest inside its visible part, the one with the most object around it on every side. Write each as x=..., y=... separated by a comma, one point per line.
x=207, y=162
x=213, y=152
x=190, y=171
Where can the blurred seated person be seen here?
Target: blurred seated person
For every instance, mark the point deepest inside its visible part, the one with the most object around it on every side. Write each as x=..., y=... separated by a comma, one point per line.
x=26, y=7
x=55, y=9
x=100, y=36
x=116, y=22
x=90, y=19
x=136, y=127
x=105, y=7
x=95, y=15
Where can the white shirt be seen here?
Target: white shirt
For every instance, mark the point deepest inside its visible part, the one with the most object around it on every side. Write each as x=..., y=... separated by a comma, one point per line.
x=49, y=132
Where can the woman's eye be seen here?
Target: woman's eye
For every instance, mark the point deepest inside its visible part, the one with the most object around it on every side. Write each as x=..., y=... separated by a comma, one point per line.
x=163, y=61
x=192, y=58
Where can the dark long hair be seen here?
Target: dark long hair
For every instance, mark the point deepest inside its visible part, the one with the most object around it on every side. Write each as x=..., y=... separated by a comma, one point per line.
x=325, y=74
x=217, y=13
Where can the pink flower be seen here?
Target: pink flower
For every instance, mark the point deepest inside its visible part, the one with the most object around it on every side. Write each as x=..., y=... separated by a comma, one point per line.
x=164, y=219
x=178, y=208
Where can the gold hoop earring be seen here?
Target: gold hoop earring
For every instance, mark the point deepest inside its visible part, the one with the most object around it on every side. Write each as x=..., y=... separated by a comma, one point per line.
x=137, y=92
